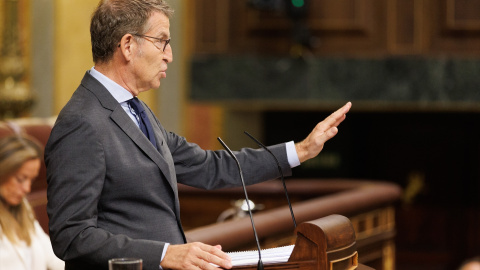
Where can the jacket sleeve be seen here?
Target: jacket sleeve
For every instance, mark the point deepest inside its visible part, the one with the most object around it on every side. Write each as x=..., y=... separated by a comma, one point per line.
x=217, y=169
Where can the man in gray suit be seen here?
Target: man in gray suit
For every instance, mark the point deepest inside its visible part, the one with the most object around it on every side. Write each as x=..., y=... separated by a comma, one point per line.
x=112, y=191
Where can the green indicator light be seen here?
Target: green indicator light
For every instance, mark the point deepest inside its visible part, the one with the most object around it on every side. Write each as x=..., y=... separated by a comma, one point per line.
x=298, y=3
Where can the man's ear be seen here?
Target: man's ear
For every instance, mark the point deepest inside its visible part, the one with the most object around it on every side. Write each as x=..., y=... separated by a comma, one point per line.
x=126, y=46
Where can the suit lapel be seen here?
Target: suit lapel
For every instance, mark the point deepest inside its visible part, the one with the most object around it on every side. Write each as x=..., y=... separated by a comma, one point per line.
x=163, y=149
x=119, y=116
x=126, y=124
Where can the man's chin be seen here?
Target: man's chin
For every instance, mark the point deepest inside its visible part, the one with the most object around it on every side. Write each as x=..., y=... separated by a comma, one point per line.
x=156, y=85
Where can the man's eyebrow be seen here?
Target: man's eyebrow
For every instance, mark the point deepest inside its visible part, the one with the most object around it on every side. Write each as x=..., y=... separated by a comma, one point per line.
x=160, y=34
x=163, y=34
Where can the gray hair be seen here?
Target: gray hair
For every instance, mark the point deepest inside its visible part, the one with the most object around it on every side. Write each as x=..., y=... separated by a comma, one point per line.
x=112, y=19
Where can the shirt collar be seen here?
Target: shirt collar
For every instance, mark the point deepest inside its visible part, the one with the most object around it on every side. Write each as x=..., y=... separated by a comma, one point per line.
x=119, y=93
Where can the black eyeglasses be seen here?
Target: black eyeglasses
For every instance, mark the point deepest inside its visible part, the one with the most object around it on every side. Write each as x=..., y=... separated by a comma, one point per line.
x=157, y=42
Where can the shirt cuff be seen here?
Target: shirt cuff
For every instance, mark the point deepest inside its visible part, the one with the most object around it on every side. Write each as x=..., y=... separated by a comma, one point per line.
x=292, y=154
x=163, y=254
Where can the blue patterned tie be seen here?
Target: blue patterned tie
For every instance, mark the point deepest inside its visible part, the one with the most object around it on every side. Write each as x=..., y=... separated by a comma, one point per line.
x=142, y=117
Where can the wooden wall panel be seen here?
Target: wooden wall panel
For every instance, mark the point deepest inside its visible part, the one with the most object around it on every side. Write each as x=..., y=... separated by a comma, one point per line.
x=211, y=24
x=341, y=15
x=453, y=28
x=258, y=31
x=342, y=27
x=348, y=26
x=405, y=26
x=258, y=20
x=339, y=26
x=463, y=15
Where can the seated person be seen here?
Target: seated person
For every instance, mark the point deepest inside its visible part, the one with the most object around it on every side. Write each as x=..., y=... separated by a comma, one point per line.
x=23, y=243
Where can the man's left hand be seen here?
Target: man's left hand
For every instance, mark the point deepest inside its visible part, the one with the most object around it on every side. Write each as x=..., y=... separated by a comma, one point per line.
x=323, y=131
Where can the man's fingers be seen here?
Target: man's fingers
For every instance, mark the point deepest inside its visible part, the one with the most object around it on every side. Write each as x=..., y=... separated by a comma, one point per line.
x=323, y=131
x=340, y=120
x=214, y=254
x=345, y=108
x=195, y=256
x=334, y=119
x=324, y=137
x=340, y=113
x=330, y=133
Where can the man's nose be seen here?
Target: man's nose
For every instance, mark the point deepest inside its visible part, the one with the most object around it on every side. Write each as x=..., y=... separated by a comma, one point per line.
x=168, y=54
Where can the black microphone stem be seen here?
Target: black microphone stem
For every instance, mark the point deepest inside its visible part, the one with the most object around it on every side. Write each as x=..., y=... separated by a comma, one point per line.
x=281, y=174
x=260, y=263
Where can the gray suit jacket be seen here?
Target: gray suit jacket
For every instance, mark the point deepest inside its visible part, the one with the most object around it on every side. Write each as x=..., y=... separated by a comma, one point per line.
x=111, y=193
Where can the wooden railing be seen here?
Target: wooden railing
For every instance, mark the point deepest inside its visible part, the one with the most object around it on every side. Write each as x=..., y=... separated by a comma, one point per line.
x=368, y=204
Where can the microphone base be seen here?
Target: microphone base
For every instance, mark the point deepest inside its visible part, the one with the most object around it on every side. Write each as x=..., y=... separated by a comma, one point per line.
x=260, y=265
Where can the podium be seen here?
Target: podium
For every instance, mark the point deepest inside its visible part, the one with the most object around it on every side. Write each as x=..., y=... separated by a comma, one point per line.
x=324, y=244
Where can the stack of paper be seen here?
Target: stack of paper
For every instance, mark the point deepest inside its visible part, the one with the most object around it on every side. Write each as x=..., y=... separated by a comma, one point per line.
x=271, y=255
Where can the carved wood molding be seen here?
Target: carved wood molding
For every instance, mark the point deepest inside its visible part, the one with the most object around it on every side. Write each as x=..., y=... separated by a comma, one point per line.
x=212, y=33
x=355, y=21
x=459, y=16
x=320, y=17
x=405, y=21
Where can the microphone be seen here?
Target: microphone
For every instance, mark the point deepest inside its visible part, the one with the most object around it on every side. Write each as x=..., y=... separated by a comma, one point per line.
x=260, y=263
x=281, y=174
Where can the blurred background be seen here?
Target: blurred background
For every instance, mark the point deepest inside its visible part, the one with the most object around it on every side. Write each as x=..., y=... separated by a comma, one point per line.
x=275, y=68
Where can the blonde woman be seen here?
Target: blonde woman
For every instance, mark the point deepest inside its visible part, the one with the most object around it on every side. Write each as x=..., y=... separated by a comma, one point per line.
x=23, y=243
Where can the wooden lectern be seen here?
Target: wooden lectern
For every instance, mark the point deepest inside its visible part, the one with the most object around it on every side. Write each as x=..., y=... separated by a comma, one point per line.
x=324, y=244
